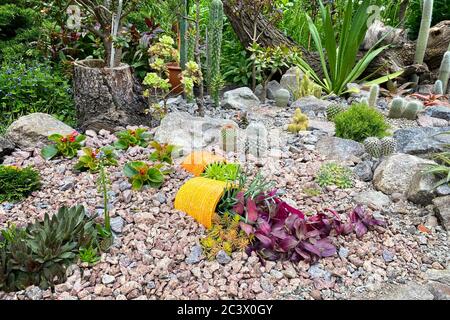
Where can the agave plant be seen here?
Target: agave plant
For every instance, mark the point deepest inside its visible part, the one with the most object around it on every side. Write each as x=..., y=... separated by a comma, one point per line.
x=442, y=169
x=339, y=46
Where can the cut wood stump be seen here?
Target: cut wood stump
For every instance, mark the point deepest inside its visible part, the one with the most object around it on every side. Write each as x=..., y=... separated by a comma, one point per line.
x=107, y=98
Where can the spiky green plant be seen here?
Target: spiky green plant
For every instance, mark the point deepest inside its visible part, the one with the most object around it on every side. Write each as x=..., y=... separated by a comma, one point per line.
x=388, y=146
x=422, y=40
x=444, y=71
x=397, y=107
x=214, y=45
x=373, y=147
x=333, y=110
x=438, y=88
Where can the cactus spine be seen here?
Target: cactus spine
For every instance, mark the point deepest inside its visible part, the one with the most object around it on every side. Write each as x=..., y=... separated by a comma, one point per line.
x=397, y=108
x=422, y=40
x=411, y=110
x=373, y=147
x=299, y=123
x=373, y=97
x=333, y=110
x=214, y=45
x=437, y=88
x=444, y=71
x=388, y=146
x=183, y=28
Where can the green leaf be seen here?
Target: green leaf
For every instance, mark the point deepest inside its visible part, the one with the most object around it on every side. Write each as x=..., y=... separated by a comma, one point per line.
x=49, y=152
x=137, y=184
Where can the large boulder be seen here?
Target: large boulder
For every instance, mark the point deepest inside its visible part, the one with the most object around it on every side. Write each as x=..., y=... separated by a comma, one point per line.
x=6, y=147
x=421, y=189
x=240, y=99
x=442, y=209
x=420, y=141
x=311, y=104
x=289, y=80
x=33, y=130
x=189, y=132
x=338, y=149
x=395, y=173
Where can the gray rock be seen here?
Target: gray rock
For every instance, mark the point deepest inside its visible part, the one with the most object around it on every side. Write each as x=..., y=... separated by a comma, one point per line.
x=33, y=130
x=272, y=87
x=317, y=272
x=321, y=125
x=338, y=149
x=222, y=257
x=363, y=171
x=442, y=276
x=440, y=112
x=240, y=99
x=289, y=80
x=442, y=210
x=311, y=104
x=418, y=141
x=276, y=274
x=189, y=132
x=443, y=190
x=195, y=256
x=124, y=185
x=160, y=197
x=409, y=291
x=127, y=195
x=420, y=190
x=343, y=252
x=34, y=293
x=373, y=198
x=6, y=147
x=67, y=184
x=426, y=121
x=107, y=279
x=117, y=224
x=395, y=173
x=439, y=290
x=151, y=285
x=388, y=256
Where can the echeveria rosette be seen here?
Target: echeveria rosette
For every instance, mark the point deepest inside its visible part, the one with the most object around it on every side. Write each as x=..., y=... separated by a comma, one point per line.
x=66, y=146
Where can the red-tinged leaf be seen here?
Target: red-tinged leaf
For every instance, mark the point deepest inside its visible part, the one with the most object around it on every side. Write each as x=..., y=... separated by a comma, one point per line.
x=303, y=253
x=252, y=211
x=326, y=248
x=291, y=210
x=311, y=248
x=264, y=227
x=269, y=254
x=360, y=229
x=266, y=242
x=300, y=231
x=290, y=222
x=248, y=229
x=288, y=243
x=279, y=231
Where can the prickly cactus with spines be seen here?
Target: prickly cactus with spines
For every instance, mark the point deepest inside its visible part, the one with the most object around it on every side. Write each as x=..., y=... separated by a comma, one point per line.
x=411, y=110
x=333, y=110
x=373, y=96
x=373, y=147
x=299, y=122
x=438, y=87
x=388, y=146
x=397, y=107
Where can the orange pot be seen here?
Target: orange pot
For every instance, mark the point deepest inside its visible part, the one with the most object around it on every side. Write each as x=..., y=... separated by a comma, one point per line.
x=175, y=77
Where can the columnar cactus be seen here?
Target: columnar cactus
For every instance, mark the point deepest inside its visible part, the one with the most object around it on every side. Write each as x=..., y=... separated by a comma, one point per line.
x=373, y=97
x=333, y=110
x=214, y=45
x=183, y=27
x=282, y=98
x=299, y=123
x=256, y=139
x=422, y=40
x=229, y=135
x=411, y=110
x=444, y=71
x=373, y=147
x=438, y=88
x=397, y=108
x=388, y=146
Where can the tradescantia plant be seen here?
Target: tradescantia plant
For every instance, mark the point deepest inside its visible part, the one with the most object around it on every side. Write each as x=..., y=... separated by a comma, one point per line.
x=139, y=173
x=130, y=138
x=66, y=146
x=339, y=46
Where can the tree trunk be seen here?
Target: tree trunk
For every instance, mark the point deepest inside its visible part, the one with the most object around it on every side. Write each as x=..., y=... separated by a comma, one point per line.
x=107, y=98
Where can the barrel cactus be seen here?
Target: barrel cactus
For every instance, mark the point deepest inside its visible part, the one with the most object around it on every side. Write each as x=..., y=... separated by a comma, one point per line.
x=256, y=142
x=299, y=123
x=438, y=87
x=333, y=110
x=388, y=146
x=229, y=135
x=444, y=71
x=373, y=147
x=411, y=110
x=373, y=96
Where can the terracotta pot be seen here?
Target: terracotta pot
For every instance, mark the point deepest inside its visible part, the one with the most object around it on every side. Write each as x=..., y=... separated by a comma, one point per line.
x=175, y=77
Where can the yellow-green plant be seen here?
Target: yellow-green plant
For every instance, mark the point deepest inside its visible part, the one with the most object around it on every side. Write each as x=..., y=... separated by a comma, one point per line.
x=306, y=87
x=299, y=122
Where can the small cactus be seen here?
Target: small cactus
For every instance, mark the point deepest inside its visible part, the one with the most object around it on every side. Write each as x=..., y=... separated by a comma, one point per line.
x=229, y=138
x=333, y=110
x=213, y=50
x=373, y=96
x=373, y=147
x=411, y=110
x=306, y=87
x=397, y=108
x=444, y=71
x=256, y=139
x=437, y=88
x=299, y=123
x=282, y=98
x=388, y=146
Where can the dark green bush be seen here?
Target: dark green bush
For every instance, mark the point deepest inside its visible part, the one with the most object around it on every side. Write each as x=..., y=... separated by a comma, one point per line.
x=441, y=12
x=360, y=122
x=17, y=183
x=33, y=87
x=40, y=253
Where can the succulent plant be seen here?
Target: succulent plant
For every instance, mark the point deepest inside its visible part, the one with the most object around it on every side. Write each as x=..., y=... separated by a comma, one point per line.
x=411, y=110
x=299, y=122
x=334, y=174
x=282, y=97
x=373, y=147
x=397, y=107
x=306, y=87
x=444, y=71
x=229, y=136
x=388, y=146
x=438, y=87
x=333, y=110
x=256, y=139
x=373, y=96
x=422, y=40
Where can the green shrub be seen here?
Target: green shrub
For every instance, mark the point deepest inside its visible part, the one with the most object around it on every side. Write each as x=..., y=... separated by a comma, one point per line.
x=334, y=174
x=360, y=122
x=16, y=183
x=441, y=12
x=35, y=87
x=40, y=253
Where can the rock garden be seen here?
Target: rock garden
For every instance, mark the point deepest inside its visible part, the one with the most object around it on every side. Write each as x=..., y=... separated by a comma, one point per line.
x=154, y=168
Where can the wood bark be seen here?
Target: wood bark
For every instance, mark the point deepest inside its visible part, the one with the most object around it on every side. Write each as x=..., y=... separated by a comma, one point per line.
x=106, y=98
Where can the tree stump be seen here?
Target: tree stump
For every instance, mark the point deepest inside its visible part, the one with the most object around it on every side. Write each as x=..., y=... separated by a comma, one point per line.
x=106, y=98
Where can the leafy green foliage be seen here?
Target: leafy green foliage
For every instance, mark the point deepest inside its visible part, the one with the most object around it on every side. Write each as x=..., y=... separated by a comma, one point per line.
x=16, y=183
x=89, y=255
x=40, y=253
x=225, y=235
x=66, y=146
x=334, y=174
x=33, y=87
x=360, y=122
x=131, y=138
x=163, y=152
x=139, y=173
x=338, y=47
x=222, y=171
x=91, y=160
